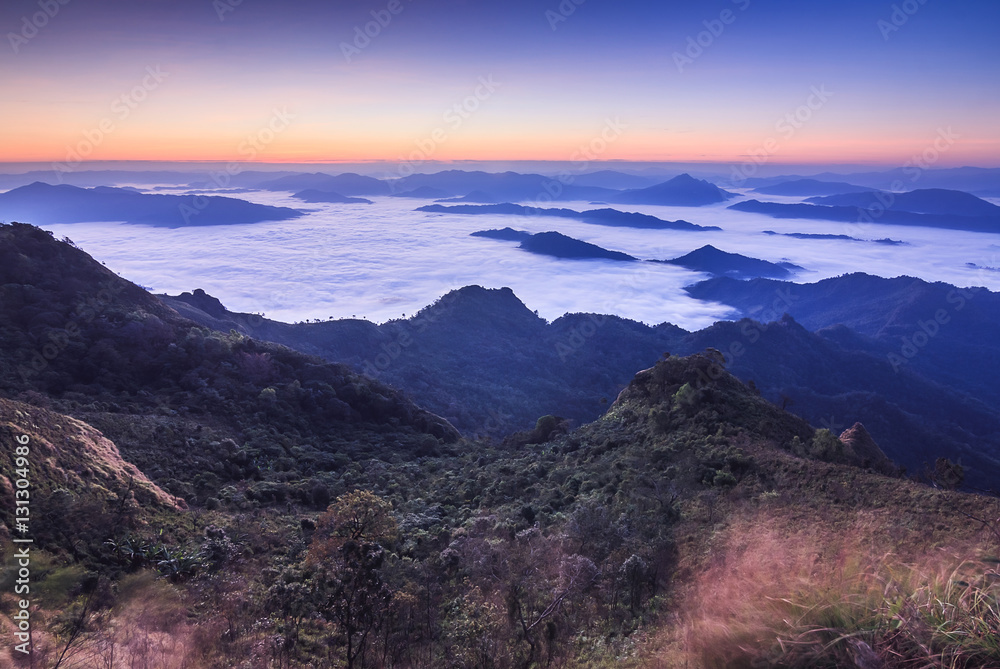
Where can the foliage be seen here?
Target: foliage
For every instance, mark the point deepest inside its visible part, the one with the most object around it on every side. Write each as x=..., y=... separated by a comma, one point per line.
x=333, y=523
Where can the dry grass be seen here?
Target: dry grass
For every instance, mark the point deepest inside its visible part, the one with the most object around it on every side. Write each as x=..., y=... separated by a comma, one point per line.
x=146, y=630
x=773, y=596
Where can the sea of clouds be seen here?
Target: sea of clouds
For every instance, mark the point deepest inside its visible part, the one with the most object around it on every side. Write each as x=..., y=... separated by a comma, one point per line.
x=385, y=260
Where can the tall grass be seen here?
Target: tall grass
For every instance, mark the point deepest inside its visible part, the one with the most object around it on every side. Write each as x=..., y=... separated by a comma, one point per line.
x=775, y=600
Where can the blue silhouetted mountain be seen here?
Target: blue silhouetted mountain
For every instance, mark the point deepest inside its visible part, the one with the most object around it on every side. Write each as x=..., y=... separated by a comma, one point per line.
x=424, y=192
x=948, y=333
x=502, y=186
x=347, y=183
x=245, y=179
x=559, y=245
x=553, y=244
x=721, y=263
x=982, y=181
x=44, y=204
x=806, y=187
x=681, y=191
x=91, y=178
x=609, y=217
x=610, y=179
x=313, y=195
x=924, y=201
x=484, y=361
x=505, y=234
x=847, y=238
x=476, y=196
x=854, y=214
x=128, y=348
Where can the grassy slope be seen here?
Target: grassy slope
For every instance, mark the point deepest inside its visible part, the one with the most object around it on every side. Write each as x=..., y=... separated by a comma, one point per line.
x=731, y=514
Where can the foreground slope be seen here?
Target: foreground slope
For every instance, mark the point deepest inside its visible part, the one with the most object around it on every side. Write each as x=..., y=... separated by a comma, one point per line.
x=78, y=480
x=725, y=519
x=178, y=398
x=670, y=532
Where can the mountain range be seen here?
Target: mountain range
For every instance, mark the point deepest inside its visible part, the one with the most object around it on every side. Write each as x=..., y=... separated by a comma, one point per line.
x=349, y=184
x=809, y=187
x=869, y=214
x=681, y=191
x=313, y=195
x=483, y=360
x=208, y=497
x=555, y=245
x=720, y=263
x=608, y=217
x=44, y=204
x=937, y=201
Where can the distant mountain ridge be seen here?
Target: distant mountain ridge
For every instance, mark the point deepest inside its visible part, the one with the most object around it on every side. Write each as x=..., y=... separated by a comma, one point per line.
x=720, y=263
x=855, y=214
x=559, y=245
x=348, y=183
x=514, y=367
x=313, y=195
x=45, y=204
x=938, y=201
x=506, y=234
x=681, y=191
x=555, y=245
x=804, y=187
x=945, y=332
x=981, y=181
x=499, y=186
x=609, y=217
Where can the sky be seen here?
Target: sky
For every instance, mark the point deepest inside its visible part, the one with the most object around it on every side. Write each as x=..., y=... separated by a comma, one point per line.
x=414, y=81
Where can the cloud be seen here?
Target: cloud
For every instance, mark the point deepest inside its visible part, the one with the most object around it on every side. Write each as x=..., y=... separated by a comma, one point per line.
x=384, y=260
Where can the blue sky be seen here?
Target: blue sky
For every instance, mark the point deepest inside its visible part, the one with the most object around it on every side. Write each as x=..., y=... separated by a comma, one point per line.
x=896, y=73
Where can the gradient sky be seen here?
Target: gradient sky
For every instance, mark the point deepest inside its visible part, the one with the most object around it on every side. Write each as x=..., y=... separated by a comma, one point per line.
x=892, y=90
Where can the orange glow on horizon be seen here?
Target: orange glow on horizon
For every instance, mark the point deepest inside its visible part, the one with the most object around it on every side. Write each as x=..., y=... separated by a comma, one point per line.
x=296, y=147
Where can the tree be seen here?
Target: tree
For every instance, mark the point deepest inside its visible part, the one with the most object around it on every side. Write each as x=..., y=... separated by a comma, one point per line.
x=358, y=516
x=356, y=598
x=348, y=551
